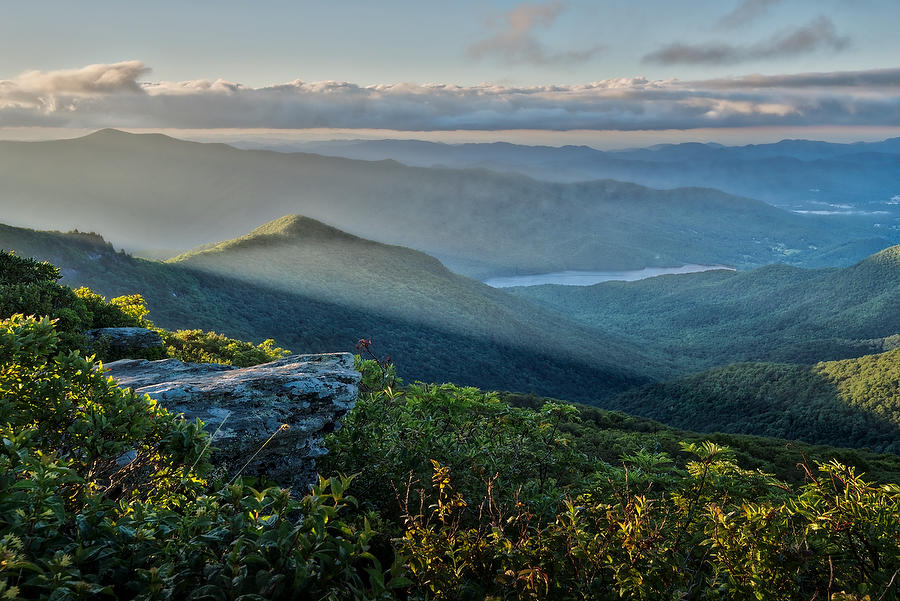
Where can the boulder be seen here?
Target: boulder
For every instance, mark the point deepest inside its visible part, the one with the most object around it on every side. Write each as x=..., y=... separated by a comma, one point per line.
x=298, y=399
x=124, y=341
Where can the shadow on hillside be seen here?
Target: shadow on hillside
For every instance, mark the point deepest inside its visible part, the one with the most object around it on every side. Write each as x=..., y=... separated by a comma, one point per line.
x=794, y=402
x=181, y=298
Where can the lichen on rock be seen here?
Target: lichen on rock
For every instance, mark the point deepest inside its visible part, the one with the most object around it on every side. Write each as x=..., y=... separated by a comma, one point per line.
x=299, y=399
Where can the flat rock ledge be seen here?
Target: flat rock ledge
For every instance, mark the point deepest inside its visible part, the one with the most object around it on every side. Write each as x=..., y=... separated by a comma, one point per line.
x=306, y=393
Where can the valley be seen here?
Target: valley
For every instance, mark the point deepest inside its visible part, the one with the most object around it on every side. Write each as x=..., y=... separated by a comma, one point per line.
x=314, y=289
x=636, y=346
x=640, y=341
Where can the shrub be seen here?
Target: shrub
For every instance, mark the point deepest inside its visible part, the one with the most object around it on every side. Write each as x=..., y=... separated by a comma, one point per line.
x=488, y=501
x=102, y=495
x=197, y=346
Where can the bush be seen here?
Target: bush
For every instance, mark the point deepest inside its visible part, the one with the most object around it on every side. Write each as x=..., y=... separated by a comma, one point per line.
x=29, y=287
x=102, y=495
x=197, y=346
x=488, y=501
x=24, y=270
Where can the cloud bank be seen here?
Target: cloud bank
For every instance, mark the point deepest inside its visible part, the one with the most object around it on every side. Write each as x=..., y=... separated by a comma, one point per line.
x=818, y=35
x=114, y=95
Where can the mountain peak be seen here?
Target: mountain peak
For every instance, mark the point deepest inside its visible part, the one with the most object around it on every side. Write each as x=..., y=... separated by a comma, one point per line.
x=288, y=229
x=107, y=132
x=297, y=226
x=111, y=136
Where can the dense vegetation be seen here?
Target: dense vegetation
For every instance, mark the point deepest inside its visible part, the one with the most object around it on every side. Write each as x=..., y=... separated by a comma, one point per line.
x=102, y=496
x=487, y=500
x=854, y=402
x=30, y=287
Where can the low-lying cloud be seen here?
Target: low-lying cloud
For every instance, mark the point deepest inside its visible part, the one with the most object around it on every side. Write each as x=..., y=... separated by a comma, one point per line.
x=115, y=96
x=818, y=35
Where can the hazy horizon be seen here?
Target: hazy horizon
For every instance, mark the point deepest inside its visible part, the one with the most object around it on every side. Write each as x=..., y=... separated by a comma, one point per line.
x=600, y=140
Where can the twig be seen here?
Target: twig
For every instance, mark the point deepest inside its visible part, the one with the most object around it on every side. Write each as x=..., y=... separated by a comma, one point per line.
x=252, y=457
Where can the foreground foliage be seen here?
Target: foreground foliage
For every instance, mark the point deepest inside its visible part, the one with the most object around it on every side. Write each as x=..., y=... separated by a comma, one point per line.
x=487, y=500
x=29, y=287
x=197, y=346
x=102, y=495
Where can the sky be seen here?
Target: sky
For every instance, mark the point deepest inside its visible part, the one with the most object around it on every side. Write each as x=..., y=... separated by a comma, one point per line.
x=555, y=70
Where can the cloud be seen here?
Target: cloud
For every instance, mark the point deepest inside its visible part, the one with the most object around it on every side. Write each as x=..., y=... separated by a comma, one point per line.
x=113, y=96
x=745, y=12
x=817, y=35
x=515, y=41
x=873, y=78
x=54, y=91
x=117, y=77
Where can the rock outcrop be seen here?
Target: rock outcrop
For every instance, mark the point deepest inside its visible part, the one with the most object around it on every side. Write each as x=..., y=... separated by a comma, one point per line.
x=121, y=341
x=298, y=399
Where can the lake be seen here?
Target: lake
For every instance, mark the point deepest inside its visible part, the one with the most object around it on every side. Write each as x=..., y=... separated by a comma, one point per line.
x=589, y=278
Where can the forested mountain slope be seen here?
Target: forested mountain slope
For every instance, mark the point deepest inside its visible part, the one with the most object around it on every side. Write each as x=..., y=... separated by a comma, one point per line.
x=300, y=255
x=518, y=347
x=853, y=402
x=775, y=313
x=151, y=191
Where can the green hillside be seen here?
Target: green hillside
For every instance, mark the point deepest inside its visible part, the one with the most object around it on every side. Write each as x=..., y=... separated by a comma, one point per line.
x=775, y=313
x=526, y=349
x=854, y=402
x=528, y=498
x=150, y=191
x=302, y=256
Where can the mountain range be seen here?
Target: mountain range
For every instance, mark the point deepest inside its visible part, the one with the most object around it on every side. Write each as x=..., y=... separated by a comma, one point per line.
x=774, y=313
x=860, y=181
x=378, y=250
x=154, y=192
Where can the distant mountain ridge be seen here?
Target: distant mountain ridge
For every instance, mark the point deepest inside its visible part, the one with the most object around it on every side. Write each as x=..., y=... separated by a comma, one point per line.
x=425, y=153
x=794, y=174
x=152, y=191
